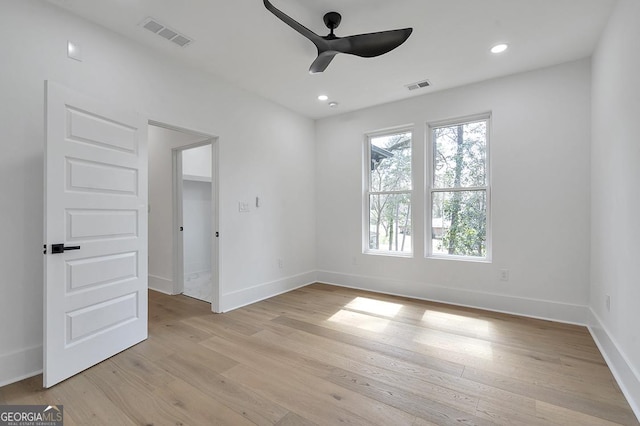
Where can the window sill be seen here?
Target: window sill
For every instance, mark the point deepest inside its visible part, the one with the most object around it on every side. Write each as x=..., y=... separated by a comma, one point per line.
x=389, y=254
x=460, y=258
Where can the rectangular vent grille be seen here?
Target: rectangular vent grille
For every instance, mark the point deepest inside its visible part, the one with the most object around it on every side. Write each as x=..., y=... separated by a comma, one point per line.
x=418, y=85
x=163, y=31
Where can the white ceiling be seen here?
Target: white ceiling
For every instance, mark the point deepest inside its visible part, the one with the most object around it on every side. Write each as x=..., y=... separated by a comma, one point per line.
x=243, y=43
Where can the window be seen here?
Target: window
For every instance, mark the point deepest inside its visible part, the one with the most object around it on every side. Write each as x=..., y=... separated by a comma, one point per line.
x=458, y=189
x=388, y=194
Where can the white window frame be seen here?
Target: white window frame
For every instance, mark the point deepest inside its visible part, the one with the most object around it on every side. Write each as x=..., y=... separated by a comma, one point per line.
x=430, y=190
x=366, y=193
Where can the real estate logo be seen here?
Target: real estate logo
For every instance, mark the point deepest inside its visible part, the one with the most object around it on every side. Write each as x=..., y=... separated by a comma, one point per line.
x=31, y=415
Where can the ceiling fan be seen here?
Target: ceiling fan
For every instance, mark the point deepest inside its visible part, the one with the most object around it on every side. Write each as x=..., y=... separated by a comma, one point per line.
x=364, y=45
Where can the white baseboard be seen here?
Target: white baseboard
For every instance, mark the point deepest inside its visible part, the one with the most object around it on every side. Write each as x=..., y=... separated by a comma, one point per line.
x=244, y=297
x=623, y=370
x=533, y=308
x=20, y=365
x=160, y=284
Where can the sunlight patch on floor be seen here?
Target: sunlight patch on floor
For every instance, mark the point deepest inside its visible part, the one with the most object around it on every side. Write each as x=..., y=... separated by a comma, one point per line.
x=447, y=321
x=451, y=322
x=376, y=307
x=358, y=320
x=458, y=345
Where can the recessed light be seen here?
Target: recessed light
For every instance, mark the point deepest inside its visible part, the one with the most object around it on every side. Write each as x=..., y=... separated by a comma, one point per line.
x=323, y=97
x=499, y=48
x=333, y=104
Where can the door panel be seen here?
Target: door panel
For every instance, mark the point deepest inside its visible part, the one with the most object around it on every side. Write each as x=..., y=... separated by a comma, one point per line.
x=101, y=224
x=90, y=177
x=101, y=270
x=96, y=199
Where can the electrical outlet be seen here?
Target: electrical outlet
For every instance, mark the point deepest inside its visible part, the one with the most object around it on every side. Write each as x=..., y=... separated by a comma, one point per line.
x=243, y=207
x=607, y=302
x=504, y=275
x=280, y=264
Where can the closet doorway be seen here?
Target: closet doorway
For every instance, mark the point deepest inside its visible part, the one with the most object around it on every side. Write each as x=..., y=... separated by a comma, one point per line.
x=194, y=211
x=183, y=213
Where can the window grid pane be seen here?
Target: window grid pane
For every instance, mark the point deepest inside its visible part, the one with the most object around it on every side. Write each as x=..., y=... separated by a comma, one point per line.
x=390, y=222
x=459, y=155
x=388, y=201
x=459, y=188
x=458, y=223
x=390, y=162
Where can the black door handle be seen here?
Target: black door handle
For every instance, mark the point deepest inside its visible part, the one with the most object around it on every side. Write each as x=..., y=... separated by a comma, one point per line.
x=60, y=248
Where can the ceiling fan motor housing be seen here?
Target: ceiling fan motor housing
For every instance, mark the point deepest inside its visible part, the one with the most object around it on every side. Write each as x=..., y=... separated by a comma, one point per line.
x=332, y=20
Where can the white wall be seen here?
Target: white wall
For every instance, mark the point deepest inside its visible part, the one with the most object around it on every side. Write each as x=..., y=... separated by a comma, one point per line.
x=196, y=209
x=162, y=141
x=265, y=150
x=540, y=196
x=615, y=199
x=197, y=161
x=197, y=235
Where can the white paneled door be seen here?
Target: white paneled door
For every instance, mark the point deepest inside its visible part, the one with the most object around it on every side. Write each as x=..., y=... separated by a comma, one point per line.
x=95, y=293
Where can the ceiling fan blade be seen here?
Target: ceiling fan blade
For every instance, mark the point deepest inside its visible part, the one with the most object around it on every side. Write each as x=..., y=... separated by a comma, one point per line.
x=315, y=38
x=322, y=62
x=365, y=45
x=372, y=44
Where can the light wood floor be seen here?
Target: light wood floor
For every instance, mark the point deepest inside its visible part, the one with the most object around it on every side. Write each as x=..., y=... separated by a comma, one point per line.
x=326, y=355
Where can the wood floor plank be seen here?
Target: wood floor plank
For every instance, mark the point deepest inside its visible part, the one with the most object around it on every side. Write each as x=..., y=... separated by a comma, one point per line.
x=292, y=419
x=464, y=350
x=303, y=375
x=508, y=414
x=407, y=382
x=138, y=368
x=321, y=402
x=324, y=355
x=29, y=392
x=409, y=402
x=131, y=396
x=526, y=364
x=422, y=422
x=378, y=364
x=462, y=321
x=197, y=407
x=241, y=399
x=102, y=411
x=593, y=407
x=373, y=345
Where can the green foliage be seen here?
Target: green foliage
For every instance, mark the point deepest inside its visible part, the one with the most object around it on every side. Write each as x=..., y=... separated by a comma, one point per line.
x=459, y=209
x=467, y=235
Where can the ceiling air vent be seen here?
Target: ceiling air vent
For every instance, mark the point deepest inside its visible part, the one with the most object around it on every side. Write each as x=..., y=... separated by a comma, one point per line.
x=419, y=85
x=163, y=31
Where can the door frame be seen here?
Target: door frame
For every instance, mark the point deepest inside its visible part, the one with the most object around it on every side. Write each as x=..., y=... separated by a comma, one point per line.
x=177, y=255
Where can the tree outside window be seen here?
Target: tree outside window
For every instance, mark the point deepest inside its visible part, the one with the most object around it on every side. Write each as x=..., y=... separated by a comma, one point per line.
x=389, y=193
x=459, y=187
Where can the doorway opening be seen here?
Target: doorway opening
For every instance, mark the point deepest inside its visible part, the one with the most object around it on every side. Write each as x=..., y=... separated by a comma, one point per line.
x=183, y=213
x=193, y=174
